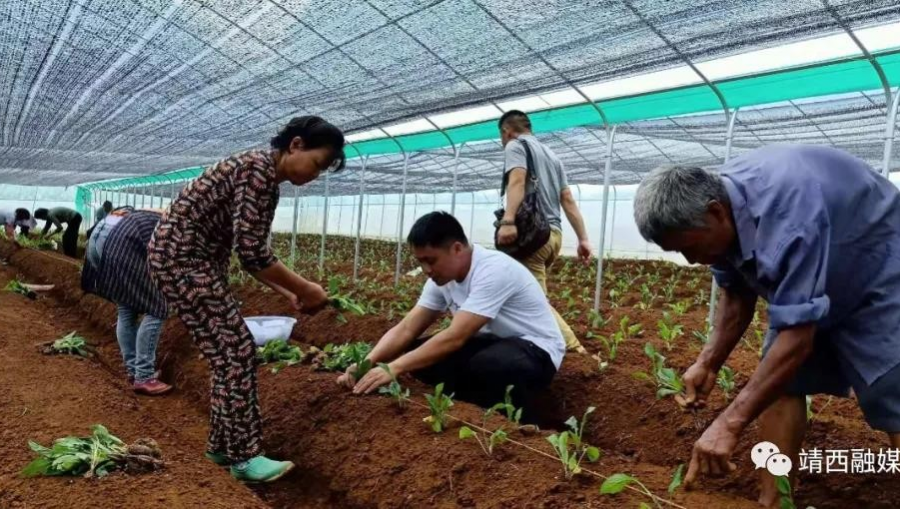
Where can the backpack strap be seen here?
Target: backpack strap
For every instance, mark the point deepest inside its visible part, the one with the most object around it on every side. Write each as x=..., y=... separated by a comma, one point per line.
x=530, y=172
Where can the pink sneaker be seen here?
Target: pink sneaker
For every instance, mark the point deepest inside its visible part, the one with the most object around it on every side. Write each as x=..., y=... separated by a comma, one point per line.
x=152, y=387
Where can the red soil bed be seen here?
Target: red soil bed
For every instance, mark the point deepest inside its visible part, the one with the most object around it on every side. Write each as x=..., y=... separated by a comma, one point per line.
x=363, y=452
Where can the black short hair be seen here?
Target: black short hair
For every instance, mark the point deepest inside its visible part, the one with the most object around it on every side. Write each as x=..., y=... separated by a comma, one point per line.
x=22, y=215
x=41, y=213
x=315, y=133
x=107, y=205
x=515, y=119
x=436, y=229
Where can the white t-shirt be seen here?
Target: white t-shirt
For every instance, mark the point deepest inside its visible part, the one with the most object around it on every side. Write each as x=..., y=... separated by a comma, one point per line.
x=501, y=289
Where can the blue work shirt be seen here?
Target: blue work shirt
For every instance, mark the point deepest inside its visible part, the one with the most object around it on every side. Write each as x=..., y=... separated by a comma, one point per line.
x=819, y=235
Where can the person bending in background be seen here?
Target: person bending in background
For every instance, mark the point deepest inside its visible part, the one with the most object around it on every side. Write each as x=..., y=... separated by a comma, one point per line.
x=230, y=206
x=502, y=333
x=57, y=216
x=11, y=219
x=103, y=211
x=115, y=268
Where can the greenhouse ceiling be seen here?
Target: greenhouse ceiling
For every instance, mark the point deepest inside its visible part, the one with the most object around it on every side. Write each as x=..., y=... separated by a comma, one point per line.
x=105, y=90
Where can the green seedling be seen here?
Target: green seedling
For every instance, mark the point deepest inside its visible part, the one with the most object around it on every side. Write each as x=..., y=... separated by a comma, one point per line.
x=342, y=302
x=677, y=478
x=702, y=336
x=279, y=353
x=616, y=483
x=394, y=389
x=16, y=286
x=647, y=297
x=70, y=344
x=487, y=440
x=597, y=320
x=667, y=382
x=668, y=330
x=341, y=357
x=439, y=404
x=700, y=298
x=680, y=307
x=94, y=456
x=513, y=414
x=570, y=448
x=786, y=497
x=725, y=381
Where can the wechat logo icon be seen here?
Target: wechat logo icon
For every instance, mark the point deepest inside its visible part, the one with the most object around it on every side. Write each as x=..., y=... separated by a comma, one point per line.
x=767, y=455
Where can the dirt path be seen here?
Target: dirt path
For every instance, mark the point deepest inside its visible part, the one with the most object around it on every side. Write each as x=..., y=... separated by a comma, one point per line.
x=43, y=398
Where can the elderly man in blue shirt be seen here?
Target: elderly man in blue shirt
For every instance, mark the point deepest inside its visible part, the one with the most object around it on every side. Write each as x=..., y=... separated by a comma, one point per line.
x=815, y=232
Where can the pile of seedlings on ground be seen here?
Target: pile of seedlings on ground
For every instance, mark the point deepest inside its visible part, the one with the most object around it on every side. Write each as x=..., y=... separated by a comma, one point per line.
x=279, y=353
x=70, y=344
x=96, y=455
x=340, y=357
x=16, y=286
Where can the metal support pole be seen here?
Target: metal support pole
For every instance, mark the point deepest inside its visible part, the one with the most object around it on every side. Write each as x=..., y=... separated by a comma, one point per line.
x=472, y=221
x=612, y=227
x=359, y=218
x=400, y=222
x=415, y=206
x=889, y=135
x=714, y=289
x=607, y=170
x=324, y=225
x=383, y=207
x=457, y=151
x=294, y=227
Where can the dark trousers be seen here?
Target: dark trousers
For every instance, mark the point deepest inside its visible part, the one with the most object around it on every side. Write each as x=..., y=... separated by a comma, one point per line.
x=480, y=371
x=70, y=236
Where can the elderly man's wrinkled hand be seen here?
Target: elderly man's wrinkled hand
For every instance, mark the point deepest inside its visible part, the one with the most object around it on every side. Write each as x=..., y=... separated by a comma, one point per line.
x=712, y=453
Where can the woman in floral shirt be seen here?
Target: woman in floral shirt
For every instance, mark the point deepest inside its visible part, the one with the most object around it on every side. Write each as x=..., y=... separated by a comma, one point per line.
x=231, y=207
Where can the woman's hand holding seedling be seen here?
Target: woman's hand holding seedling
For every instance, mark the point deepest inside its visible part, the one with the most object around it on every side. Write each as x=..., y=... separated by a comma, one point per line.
x=312, y=297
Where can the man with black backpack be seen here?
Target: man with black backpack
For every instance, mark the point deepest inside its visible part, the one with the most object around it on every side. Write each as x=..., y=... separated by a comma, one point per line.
x=530, y=227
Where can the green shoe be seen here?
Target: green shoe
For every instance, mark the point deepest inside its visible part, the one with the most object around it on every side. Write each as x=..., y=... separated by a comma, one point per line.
x=218, y=459
x=260, y=469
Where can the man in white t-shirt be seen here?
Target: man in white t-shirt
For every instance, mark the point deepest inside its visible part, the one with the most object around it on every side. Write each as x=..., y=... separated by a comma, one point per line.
x=502, y=333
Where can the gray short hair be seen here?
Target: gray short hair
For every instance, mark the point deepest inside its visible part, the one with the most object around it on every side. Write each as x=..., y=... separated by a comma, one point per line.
x=675, y=198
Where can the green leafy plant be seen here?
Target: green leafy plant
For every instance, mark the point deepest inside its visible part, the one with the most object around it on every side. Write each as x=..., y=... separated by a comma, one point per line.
x=702, y=336
x=513, y=414
x=570, y=448
x=394, y=389
x=786, y=497
x=94, y=456
x=668, y=330
x=439, y=404
x=70, y=344
x=16, y=286
x=666, y=381
x=597, y=320
x=280, y=353
x=616, y=483
x=677, y=478
x=487, y=440
x=342, y=302
x=647, y=297
x=725, y=381
x=700, y=298
x=341, y=357
x=680, y=307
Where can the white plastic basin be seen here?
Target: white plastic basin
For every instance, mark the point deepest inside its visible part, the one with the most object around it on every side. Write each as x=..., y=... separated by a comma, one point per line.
x=268, y=328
